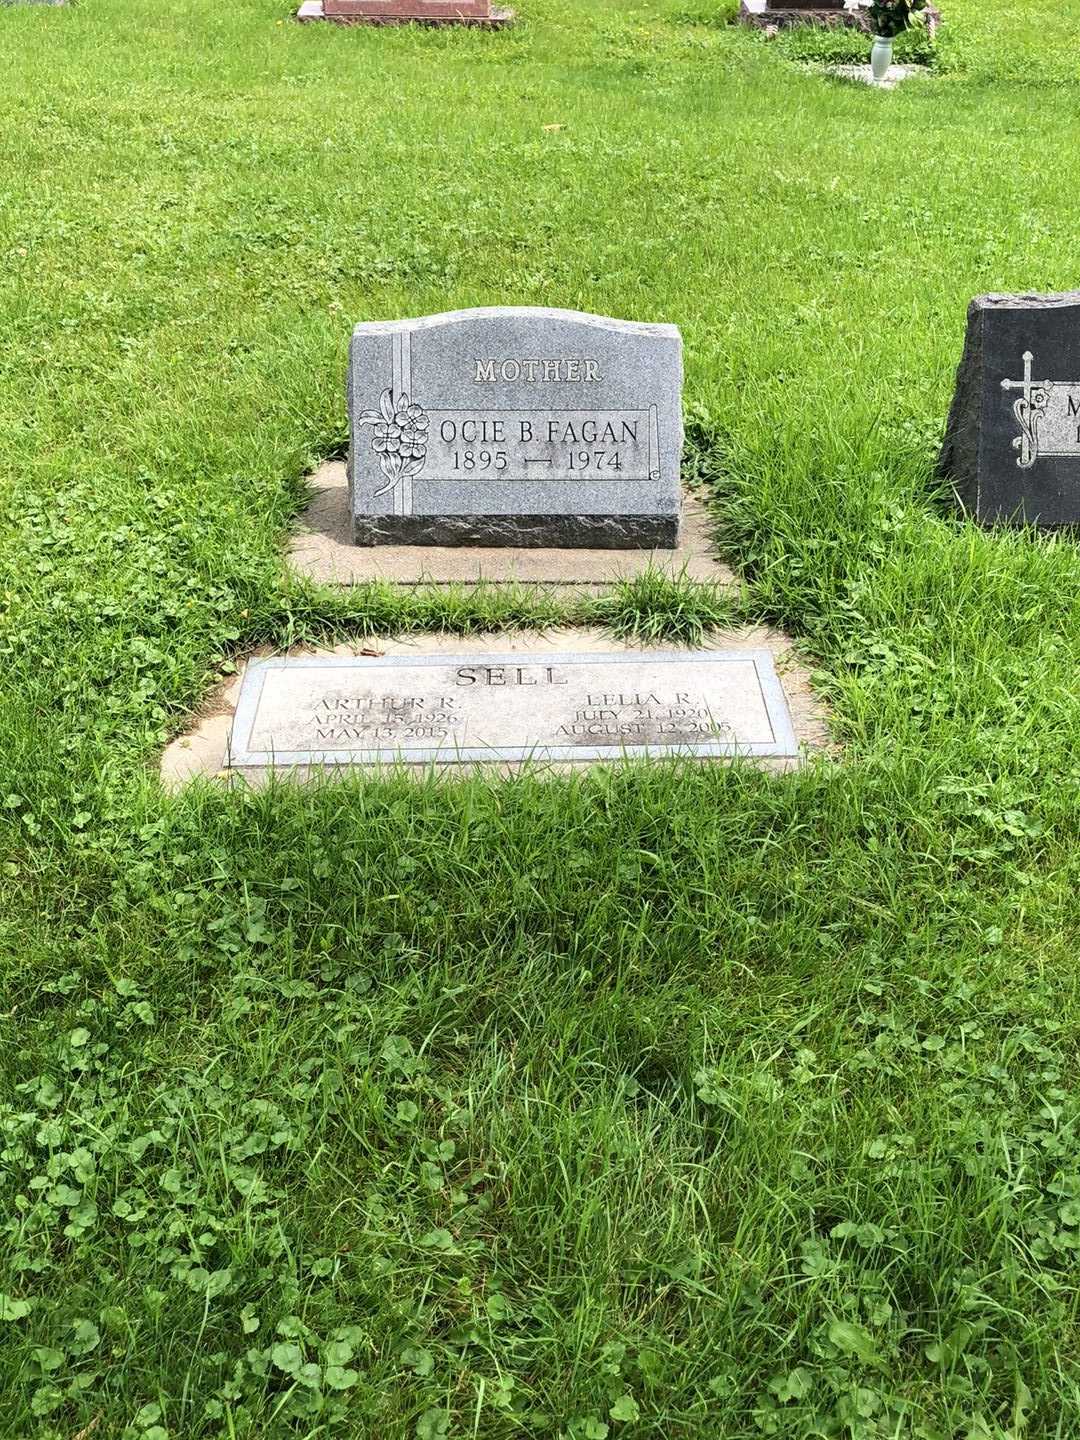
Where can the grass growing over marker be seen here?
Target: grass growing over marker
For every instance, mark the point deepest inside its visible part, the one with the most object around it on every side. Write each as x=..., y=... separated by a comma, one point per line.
x=657, y=1102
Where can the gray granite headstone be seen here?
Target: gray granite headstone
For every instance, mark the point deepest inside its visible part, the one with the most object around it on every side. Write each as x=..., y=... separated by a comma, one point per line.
x=1012, y=444
x=515, y=426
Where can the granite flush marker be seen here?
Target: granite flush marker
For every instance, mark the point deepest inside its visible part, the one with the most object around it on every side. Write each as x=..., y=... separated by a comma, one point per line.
x=506, y=706
x=513, y=426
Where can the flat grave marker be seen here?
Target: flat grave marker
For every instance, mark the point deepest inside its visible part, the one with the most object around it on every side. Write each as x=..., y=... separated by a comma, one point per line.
x=481, y=13
x=1012, y=443
x=513, y=426
x=468, y=708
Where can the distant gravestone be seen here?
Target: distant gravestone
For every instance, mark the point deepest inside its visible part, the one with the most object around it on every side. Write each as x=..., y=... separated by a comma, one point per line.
x=334, y=711
x=777, y=14
x=481, y=13
x=1012, y=443
x=785, y=13
x=420, y=10
x=515, y=427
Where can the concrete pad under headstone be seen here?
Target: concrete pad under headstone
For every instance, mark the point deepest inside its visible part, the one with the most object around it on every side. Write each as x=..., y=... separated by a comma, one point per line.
x=323, y=550
x=895, y=75
x=748, y=681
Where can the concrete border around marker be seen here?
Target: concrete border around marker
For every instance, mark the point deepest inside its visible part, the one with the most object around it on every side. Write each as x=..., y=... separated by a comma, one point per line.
x=201, y=751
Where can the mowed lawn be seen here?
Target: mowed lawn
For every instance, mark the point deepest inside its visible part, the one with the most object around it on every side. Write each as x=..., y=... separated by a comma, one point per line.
x=665, y=1101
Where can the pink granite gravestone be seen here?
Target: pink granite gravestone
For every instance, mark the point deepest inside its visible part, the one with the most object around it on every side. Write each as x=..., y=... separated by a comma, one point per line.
x=439, y=12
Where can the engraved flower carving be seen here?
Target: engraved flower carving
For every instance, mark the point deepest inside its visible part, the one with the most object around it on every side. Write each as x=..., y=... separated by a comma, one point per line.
x=399, y=437
x=413, y=426
x=1028, y=411
x=386, y=438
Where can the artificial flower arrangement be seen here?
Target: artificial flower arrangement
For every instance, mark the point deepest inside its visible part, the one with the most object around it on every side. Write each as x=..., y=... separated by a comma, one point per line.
x=889, y=18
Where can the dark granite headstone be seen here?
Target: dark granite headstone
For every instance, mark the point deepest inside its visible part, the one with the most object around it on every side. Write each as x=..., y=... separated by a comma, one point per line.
x=1012, y=443
x=785, y=14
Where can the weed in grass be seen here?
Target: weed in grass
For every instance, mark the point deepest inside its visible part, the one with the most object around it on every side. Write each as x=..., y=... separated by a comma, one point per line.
x=426, y=1119
x=656, y=606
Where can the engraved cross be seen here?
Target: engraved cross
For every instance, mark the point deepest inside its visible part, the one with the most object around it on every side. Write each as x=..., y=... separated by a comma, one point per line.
x=1027, y=409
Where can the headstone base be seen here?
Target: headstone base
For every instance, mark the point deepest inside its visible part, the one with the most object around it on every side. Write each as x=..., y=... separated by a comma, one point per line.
x=528, y=532
x=764, y=16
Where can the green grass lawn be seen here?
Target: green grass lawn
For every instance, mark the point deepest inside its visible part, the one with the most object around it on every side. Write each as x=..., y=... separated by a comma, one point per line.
x=659, y=1102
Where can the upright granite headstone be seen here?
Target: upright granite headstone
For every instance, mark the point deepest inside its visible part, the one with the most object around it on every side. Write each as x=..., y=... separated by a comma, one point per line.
x=1012, y=443
x=515, y=426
